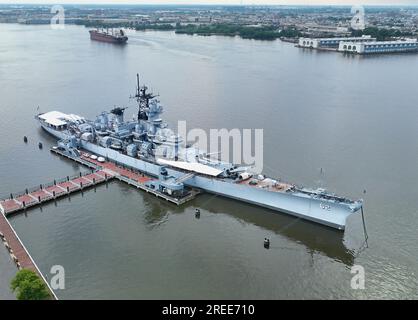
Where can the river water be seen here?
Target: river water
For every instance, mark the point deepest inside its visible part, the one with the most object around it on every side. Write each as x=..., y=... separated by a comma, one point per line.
x=354, y=117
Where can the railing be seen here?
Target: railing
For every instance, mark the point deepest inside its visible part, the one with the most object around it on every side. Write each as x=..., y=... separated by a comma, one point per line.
x=185, y=177
x=18, y=194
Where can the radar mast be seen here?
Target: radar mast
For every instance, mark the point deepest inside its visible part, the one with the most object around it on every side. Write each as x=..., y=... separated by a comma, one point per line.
x=143, y=98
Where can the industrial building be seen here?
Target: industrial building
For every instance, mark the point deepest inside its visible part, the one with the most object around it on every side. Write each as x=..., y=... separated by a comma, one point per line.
x=407, y=45
x=316, y=31
x=328, y=43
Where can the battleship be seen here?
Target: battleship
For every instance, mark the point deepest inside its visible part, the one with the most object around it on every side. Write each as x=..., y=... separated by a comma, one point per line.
x=146, y=144
x=112, y=36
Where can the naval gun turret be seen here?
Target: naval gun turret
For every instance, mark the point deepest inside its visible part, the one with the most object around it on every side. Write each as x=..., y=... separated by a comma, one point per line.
x=118, y=113
x=167, y=184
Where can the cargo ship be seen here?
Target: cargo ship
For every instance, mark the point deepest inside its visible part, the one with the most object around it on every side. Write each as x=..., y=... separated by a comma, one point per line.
x=148, y=145
x=111, y=36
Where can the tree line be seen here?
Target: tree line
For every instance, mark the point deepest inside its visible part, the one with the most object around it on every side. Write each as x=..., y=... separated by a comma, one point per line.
x=267, y=32
x=382, y=34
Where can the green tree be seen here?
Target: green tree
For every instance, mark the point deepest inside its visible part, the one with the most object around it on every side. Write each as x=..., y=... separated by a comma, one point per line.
x=381, y=33
x=28, y=286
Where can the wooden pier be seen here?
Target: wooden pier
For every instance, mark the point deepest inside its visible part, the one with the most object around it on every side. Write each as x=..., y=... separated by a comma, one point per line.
x=178, y=201
x=18, y=253
x=127, y=175
x=47, y=192
x=101, y=172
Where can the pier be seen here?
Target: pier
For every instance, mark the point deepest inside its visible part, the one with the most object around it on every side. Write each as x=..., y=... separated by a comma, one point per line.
x=100, y=172
x=18, y=252
x=127, y=175
x=51, y=191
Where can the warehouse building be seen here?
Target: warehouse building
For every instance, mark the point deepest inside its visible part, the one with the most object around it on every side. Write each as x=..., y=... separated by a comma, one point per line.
x=408, y=45
x=317, y=43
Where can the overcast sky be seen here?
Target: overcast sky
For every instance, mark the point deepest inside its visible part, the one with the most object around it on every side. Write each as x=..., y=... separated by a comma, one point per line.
x=280, y=2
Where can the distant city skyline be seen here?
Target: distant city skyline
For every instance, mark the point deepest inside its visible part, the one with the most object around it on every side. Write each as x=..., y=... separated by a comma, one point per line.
x=220, y=2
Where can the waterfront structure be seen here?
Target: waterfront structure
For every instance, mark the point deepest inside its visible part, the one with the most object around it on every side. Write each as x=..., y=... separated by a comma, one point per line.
x=48, y=192
x=147, y=144
x=315, y=30
x=165, y=187
x=18, y=252
x=408, y=45
x=331, y=43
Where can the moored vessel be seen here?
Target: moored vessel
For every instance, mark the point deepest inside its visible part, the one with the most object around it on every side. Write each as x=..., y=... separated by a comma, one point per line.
x=146, y=144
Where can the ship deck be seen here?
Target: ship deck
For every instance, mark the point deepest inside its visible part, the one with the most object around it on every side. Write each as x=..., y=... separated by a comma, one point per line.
x=267, y=185
x=128, y=175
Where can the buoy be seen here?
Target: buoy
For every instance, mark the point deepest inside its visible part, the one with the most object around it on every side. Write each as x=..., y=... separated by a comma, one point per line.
x=25, y=139
x=197, y=213
x=40, y=145
x=266, y=243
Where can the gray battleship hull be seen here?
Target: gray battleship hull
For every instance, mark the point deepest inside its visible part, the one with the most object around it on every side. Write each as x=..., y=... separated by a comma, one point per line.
x=301, y=206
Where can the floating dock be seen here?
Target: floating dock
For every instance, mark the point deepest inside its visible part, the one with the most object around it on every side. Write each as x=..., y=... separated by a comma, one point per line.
x=51, y=191
x=127, y=175
x=102, y=172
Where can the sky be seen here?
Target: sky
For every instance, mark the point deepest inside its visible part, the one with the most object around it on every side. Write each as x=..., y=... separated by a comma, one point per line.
x=231, y=2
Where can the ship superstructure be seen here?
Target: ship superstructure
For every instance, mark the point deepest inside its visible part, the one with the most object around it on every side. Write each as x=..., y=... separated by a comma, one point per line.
x=148, y=145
